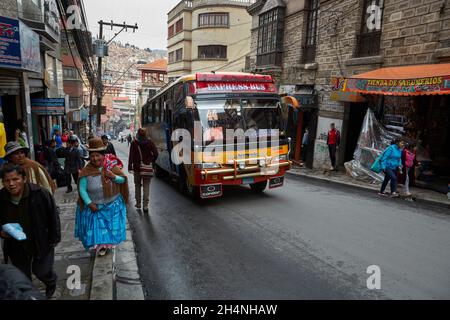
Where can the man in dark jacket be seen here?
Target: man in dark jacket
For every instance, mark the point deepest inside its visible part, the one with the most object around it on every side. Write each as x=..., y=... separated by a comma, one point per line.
x=35, y=210
x=74, y=160
x=142, y=150
x=14, y=285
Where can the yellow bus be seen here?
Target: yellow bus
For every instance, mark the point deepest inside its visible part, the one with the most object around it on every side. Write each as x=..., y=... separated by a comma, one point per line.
x=209, y=109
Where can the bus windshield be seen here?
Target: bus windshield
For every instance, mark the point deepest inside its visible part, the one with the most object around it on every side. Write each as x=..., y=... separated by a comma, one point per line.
x=217, y=116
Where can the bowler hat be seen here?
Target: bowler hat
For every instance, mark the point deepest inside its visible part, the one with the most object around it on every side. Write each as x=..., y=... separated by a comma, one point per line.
x=96, y=145
x=14, y=146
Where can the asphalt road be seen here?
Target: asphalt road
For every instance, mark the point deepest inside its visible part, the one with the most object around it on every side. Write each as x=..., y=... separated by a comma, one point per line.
x=307, y=240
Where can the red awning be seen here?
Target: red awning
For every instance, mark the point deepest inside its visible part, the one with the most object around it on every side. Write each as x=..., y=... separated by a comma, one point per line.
x=431, y=79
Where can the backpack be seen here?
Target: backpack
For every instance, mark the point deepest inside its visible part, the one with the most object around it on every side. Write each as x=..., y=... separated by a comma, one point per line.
x=409, y=159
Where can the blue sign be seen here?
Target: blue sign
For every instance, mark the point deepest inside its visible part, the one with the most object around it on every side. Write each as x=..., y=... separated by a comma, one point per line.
x=55, y=107
x=10, y=54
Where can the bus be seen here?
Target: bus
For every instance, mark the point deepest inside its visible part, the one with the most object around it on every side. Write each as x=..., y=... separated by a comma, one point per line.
x=205, y=112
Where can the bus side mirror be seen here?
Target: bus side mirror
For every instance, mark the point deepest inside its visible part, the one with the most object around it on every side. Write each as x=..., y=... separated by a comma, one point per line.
x=189, y=102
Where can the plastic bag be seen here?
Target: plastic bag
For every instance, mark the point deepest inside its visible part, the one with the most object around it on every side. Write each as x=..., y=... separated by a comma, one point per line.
x=373, y=140
x=15, y=230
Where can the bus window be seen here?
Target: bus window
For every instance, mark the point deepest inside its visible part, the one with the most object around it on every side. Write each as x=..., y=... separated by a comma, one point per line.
x=178, y=96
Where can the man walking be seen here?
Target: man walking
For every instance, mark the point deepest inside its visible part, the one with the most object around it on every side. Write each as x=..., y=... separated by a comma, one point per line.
x=129, y=139
x=35, y=210
x=142, y=152
x=74, y=160
x=333, y=141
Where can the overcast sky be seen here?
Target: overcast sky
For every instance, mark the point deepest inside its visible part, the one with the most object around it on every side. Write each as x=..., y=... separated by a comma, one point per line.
x=150, y=15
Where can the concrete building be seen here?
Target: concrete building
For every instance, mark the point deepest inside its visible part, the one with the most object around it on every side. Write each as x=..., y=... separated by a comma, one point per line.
x=30, y=68
x=206, y=35
x=308, y=45
x=131, y=90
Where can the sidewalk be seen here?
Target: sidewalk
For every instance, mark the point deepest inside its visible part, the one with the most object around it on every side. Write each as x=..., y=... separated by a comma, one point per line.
x=341, y=178
x=114, y=276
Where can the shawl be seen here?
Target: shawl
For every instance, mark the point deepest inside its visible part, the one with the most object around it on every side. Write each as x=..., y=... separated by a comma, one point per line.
x=110, y=188
x=33, y=165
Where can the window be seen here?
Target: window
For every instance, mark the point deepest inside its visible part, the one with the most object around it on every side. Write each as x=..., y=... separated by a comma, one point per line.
x=179, y=55
x=74, y=103
x=179, y=26
x=212, y=52
x=171, y=31
x=309, y=50
x=171, y=56
x=214, y=20
x=270, y=38
x=70, y=73
x=368, y=41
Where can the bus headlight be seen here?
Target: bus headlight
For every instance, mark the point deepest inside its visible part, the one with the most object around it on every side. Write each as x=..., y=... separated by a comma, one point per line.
x=213, y=165
x=242, y=166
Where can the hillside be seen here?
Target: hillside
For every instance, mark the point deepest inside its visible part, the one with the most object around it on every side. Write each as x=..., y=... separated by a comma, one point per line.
x=122, y=56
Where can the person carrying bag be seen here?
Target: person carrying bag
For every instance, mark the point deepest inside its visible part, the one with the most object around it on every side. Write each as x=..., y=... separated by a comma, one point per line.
x=143, y=155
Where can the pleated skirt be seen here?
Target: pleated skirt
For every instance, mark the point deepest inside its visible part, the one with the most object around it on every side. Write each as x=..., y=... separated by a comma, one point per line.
x=105, y=227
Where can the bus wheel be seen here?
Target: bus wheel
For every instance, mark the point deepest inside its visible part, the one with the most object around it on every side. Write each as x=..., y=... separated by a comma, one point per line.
x=192, y=191
x=259, y=187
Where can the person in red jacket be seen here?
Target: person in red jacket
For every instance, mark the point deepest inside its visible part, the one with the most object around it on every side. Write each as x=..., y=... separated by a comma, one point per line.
x=333, y=142
x=142, y=151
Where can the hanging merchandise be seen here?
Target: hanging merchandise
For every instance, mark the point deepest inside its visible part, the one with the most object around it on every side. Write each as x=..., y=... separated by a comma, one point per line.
x=373, y=140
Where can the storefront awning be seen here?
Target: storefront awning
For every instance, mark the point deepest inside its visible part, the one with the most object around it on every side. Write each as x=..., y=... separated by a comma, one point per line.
x=432, y=79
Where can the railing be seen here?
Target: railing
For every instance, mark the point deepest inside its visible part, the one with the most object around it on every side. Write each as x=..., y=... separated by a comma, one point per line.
x=190, y=4
x=368, y=44
x=269, y=59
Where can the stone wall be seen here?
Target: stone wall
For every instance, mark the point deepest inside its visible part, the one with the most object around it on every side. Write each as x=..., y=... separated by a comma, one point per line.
x=8, y=8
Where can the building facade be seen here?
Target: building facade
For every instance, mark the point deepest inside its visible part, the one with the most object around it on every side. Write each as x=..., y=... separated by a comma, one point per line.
x=208, y=35
x=308, y=44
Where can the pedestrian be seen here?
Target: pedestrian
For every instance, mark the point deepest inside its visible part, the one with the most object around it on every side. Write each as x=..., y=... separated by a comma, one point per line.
x=143, y=152
x=36, y=173
x=3, y=139
x=390, y=163
x=51, y=159
x=129, y=139
x=305, y=143
x=408, y=162
x=56, y=135
x=65, y=138
x=109, y=146
x=35, y=210
x=333, y=142
x=73, y=161
x=100, y=222
x=15, y=286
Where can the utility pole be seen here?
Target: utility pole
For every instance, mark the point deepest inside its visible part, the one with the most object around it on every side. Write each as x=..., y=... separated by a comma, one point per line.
x=125, y=27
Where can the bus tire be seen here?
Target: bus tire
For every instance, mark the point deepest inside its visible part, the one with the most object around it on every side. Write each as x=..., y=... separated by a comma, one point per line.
x=192, y=192
x=259, y=187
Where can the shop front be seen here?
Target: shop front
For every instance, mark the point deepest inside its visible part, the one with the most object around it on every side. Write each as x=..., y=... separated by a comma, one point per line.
x=410, y=102
x=302, y=122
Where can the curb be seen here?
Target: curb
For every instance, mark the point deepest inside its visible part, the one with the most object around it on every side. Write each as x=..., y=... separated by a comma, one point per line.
x=115, y=276
x=367, y=188
x=102, y=278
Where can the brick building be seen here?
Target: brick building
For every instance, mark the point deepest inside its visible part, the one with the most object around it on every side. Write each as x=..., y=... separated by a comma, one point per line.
x=308, y=44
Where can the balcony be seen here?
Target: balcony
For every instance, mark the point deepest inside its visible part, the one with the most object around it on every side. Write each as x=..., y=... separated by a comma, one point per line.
x=43, y=19
x=368, y=44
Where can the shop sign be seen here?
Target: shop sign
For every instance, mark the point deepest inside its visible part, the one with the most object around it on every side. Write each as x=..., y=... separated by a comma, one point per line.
x=10, y=43
x=400, y=87
x=19, y=46
x=48, y=106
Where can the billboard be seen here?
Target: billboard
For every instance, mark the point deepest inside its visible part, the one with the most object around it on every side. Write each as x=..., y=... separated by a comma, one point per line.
x=19, y=46
x=10, y=55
